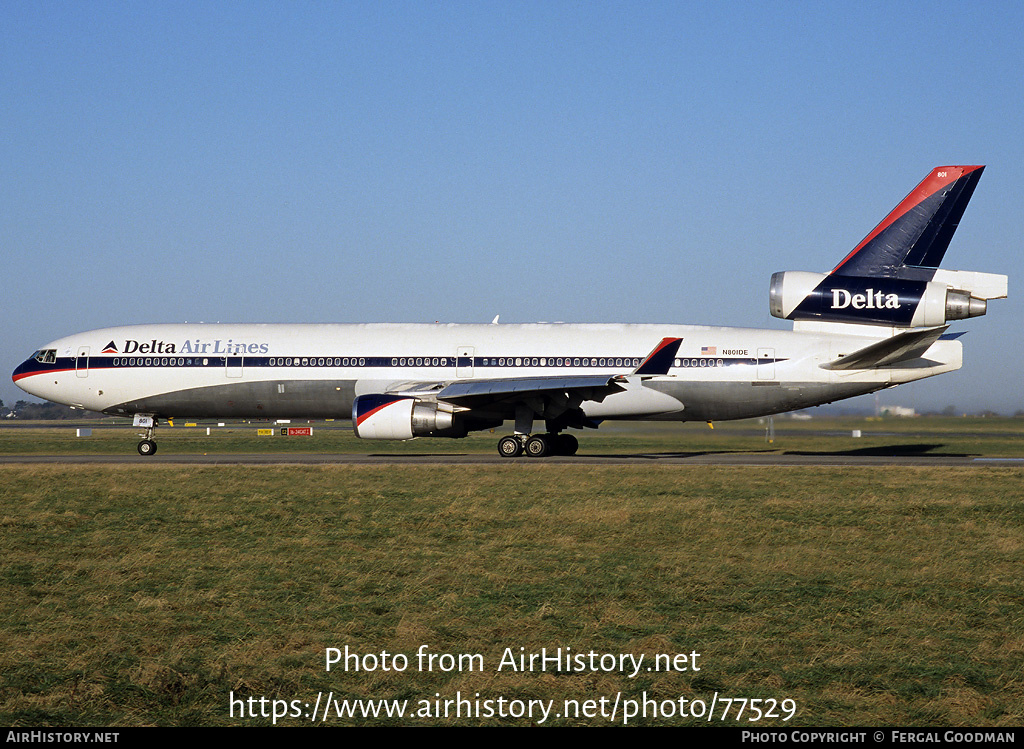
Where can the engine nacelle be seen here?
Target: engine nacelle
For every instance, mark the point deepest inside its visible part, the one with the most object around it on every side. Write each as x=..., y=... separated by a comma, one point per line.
x=789, y=288
x=377, y=416
x=798, y=295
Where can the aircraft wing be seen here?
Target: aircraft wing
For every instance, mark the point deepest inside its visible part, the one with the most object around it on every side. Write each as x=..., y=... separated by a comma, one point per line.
x=899, y=348
x=472, y=392
x=567, y=390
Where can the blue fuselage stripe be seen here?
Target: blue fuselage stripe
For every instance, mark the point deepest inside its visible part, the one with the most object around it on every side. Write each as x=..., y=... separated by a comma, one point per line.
x=489, y=363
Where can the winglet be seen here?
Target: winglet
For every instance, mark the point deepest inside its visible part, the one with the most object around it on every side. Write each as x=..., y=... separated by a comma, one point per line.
x=660, y=360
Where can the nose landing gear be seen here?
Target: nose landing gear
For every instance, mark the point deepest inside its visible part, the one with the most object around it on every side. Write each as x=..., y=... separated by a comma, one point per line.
x=147, y=446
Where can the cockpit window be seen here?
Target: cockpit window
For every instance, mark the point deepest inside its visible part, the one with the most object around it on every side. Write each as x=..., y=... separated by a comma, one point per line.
x=45, y=356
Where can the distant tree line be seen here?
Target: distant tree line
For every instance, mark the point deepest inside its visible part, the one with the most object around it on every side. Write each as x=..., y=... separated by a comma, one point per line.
x=45, y=411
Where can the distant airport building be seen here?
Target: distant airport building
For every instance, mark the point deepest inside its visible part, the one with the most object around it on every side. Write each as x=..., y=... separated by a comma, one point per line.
x=901, y=411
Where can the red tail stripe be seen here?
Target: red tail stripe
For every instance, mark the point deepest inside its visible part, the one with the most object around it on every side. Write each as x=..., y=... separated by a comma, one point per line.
x=928, y=187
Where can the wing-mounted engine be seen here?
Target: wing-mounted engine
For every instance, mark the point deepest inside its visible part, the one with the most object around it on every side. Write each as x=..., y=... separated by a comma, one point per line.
x=898, y=302
x=389, y=416
x=378, y=416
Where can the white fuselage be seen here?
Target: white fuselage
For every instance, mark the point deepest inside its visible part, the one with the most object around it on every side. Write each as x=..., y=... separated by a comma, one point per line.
x=281, y=370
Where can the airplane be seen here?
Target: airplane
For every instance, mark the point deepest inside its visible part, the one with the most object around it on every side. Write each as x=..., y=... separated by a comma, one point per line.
x=877, y=320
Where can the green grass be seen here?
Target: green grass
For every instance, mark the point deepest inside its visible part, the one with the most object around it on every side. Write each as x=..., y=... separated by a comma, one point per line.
x=994, y=437
x=137, y=595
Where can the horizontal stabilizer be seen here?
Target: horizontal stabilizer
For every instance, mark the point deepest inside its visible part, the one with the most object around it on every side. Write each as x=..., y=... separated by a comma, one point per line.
x=899, y=348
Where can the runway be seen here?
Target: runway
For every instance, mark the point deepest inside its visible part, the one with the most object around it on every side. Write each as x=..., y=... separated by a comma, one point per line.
x=759, y=459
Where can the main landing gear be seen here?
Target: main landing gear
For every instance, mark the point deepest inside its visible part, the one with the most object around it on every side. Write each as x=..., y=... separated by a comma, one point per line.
x=537, y=445
x=553, y=442
x=147, y=446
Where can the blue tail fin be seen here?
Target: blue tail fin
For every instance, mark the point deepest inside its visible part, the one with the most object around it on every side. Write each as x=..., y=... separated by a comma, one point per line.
x=913, y=238
x=892, y=277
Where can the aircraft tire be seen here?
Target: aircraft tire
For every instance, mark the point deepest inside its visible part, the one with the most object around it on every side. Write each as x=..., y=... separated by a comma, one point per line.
x=510, y=447
x=567, y=444
x=147, y=448
x=538, y=446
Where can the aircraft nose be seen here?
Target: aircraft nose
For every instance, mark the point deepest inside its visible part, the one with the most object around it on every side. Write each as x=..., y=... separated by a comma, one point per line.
x=27, y=376
x=22, y=370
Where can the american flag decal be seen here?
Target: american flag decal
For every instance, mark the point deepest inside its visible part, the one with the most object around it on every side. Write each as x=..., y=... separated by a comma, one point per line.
x=708, y=350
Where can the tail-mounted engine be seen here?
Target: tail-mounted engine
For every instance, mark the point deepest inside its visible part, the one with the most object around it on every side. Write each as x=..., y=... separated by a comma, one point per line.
x=398, y=417
x=900, y=302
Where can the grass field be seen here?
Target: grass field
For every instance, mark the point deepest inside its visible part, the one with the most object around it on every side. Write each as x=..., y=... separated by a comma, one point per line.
x=151, y=595
x=990, y=437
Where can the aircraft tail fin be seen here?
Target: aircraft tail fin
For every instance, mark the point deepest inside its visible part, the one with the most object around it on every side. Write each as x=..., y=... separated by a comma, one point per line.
x=892, y=278
x=912, y=240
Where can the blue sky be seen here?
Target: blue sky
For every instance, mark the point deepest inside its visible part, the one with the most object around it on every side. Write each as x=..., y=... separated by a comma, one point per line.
x=573, y=161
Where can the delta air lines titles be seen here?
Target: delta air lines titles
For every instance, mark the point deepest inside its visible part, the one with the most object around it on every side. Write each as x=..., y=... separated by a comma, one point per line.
x=216, y=346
